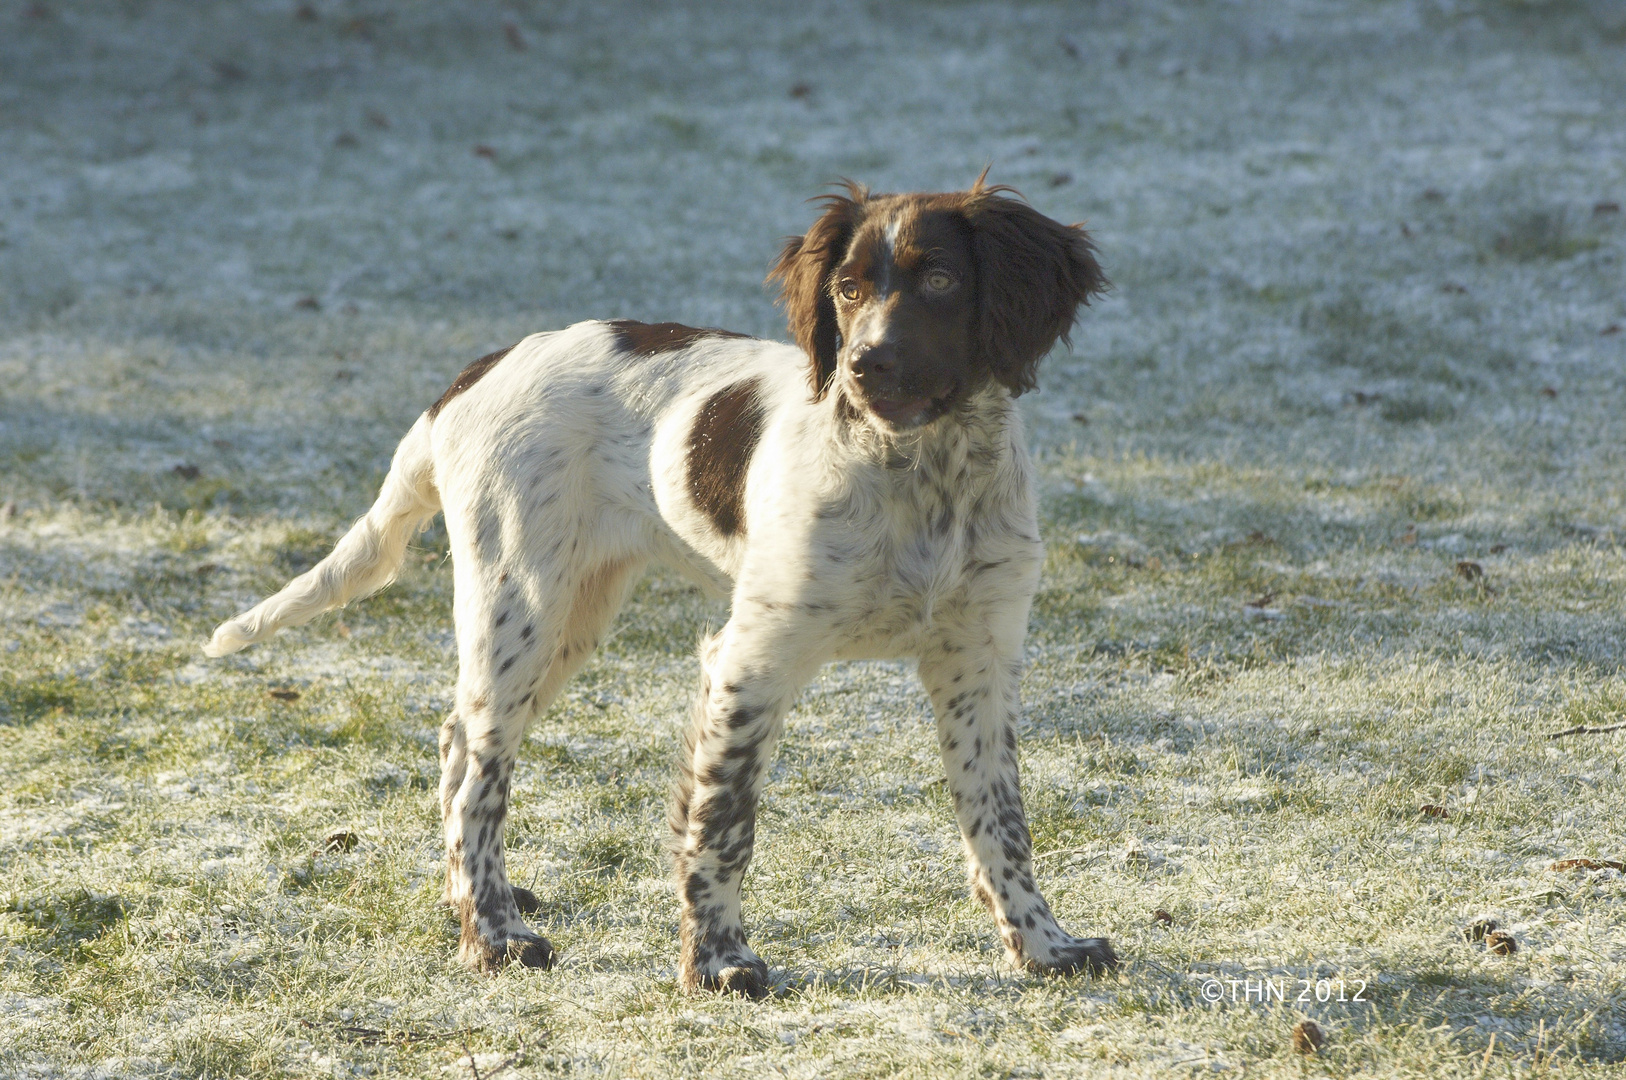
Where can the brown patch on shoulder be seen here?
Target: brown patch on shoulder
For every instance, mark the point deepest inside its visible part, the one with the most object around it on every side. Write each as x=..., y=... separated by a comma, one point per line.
x=647, y=339
x=468, y=377
x=724, y=436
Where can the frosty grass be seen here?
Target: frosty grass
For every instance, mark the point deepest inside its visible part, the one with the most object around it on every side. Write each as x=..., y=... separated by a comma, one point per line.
x=1332, y=491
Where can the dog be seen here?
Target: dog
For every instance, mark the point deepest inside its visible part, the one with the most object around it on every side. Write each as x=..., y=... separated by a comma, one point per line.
x=864, y=493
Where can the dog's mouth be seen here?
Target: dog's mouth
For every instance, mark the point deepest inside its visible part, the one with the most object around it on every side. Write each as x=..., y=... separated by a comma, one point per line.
x=900, y=412
x=903, y=413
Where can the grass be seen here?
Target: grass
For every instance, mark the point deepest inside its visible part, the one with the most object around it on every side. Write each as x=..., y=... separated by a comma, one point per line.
x=1331, y=491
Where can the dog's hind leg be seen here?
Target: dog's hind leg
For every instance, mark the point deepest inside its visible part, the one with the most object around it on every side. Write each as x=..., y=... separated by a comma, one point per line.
x=518, y=645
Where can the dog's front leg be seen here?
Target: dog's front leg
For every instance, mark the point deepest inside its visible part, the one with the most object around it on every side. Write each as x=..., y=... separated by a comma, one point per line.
x=750, y=675
x=971, y=670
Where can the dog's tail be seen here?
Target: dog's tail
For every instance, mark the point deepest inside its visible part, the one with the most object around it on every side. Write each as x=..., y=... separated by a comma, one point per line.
x=365, y=559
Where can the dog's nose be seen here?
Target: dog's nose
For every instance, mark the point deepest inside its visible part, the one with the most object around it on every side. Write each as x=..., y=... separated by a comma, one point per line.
x=871, y=360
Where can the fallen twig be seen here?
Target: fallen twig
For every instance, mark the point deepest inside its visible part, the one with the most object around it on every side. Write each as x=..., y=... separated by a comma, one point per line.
x=1582, y=729
x=1484, y=1062
x=1058, y=852
x=507, y=1063
x=432, y=1036
x=371, y=1036
x=1589, y=864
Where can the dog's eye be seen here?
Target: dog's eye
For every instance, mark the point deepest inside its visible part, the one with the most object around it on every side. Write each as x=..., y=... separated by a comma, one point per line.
x=939, y=281
x=848, y=289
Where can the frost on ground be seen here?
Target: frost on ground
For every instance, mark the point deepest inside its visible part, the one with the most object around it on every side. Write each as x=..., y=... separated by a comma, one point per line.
x=1332, y=492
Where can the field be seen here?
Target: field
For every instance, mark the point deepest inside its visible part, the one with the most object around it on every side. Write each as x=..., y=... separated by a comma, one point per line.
x=1333, y=488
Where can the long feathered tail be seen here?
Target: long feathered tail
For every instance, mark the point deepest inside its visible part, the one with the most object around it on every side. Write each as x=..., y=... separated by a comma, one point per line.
x=365, y=560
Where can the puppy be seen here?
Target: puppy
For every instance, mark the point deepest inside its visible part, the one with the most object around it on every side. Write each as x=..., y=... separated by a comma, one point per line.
x=864, y=493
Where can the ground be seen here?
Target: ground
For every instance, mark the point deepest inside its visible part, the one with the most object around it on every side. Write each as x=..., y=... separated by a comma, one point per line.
x=1332, y=488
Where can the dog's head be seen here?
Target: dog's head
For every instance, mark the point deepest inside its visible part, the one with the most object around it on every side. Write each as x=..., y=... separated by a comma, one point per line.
x=907, y=303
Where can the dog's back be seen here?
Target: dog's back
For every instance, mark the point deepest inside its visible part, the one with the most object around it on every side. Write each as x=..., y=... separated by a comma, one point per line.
x=555, y=436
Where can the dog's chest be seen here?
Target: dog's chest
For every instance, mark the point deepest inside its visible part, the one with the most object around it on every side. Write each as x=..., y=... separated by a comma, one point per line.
x=911, y=556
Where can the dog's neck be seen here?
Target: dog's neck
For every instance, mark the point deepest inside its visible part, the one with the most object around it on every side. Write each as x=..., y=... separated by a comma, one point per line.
x=968, y=445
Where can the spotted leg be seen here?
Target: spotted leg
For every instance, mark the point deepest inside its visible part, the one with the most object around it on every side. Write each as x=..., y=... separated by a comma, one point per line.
x=516, y=654
x=746, y=688
x=971, y=670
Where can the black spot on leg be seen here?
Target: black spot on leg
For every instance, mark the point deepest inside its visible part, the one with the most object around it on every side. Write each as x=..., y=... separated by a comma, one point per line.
x=525, y=634
x=502, y=618
x=695, y=889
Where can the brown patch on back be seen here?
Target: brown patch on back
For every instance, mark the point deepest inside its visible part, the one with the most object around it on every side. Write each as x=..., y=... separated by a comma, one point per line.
x=648, y=339
x=468, y=377
x=724, y=436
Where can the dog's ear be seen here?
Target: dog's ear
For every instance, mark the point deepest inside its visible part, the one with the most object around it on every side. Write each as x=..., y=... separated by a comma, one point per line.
x=1032, y=273
x=803, y=272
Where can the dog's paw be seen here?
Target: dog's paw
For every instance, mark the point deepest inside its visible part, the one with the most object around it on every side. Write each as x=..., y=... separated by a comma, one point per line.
x=523, y=948
x=746, y=980
x=1069, y=956
x=745, y=975
x=536, y=951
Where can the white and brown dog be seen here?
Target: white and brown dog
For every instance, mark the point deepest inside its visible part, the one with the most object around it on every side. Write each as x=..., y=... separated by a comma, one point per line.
x=864, y=493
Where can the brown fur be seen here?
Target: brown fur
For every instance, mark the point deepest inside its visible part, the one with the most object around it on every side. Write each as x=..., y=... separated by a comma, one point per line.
x=724, y=436
x=1016, y=247
x=1031, y=274
x=803, y=272
x=467, y=378
x=648, y=339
